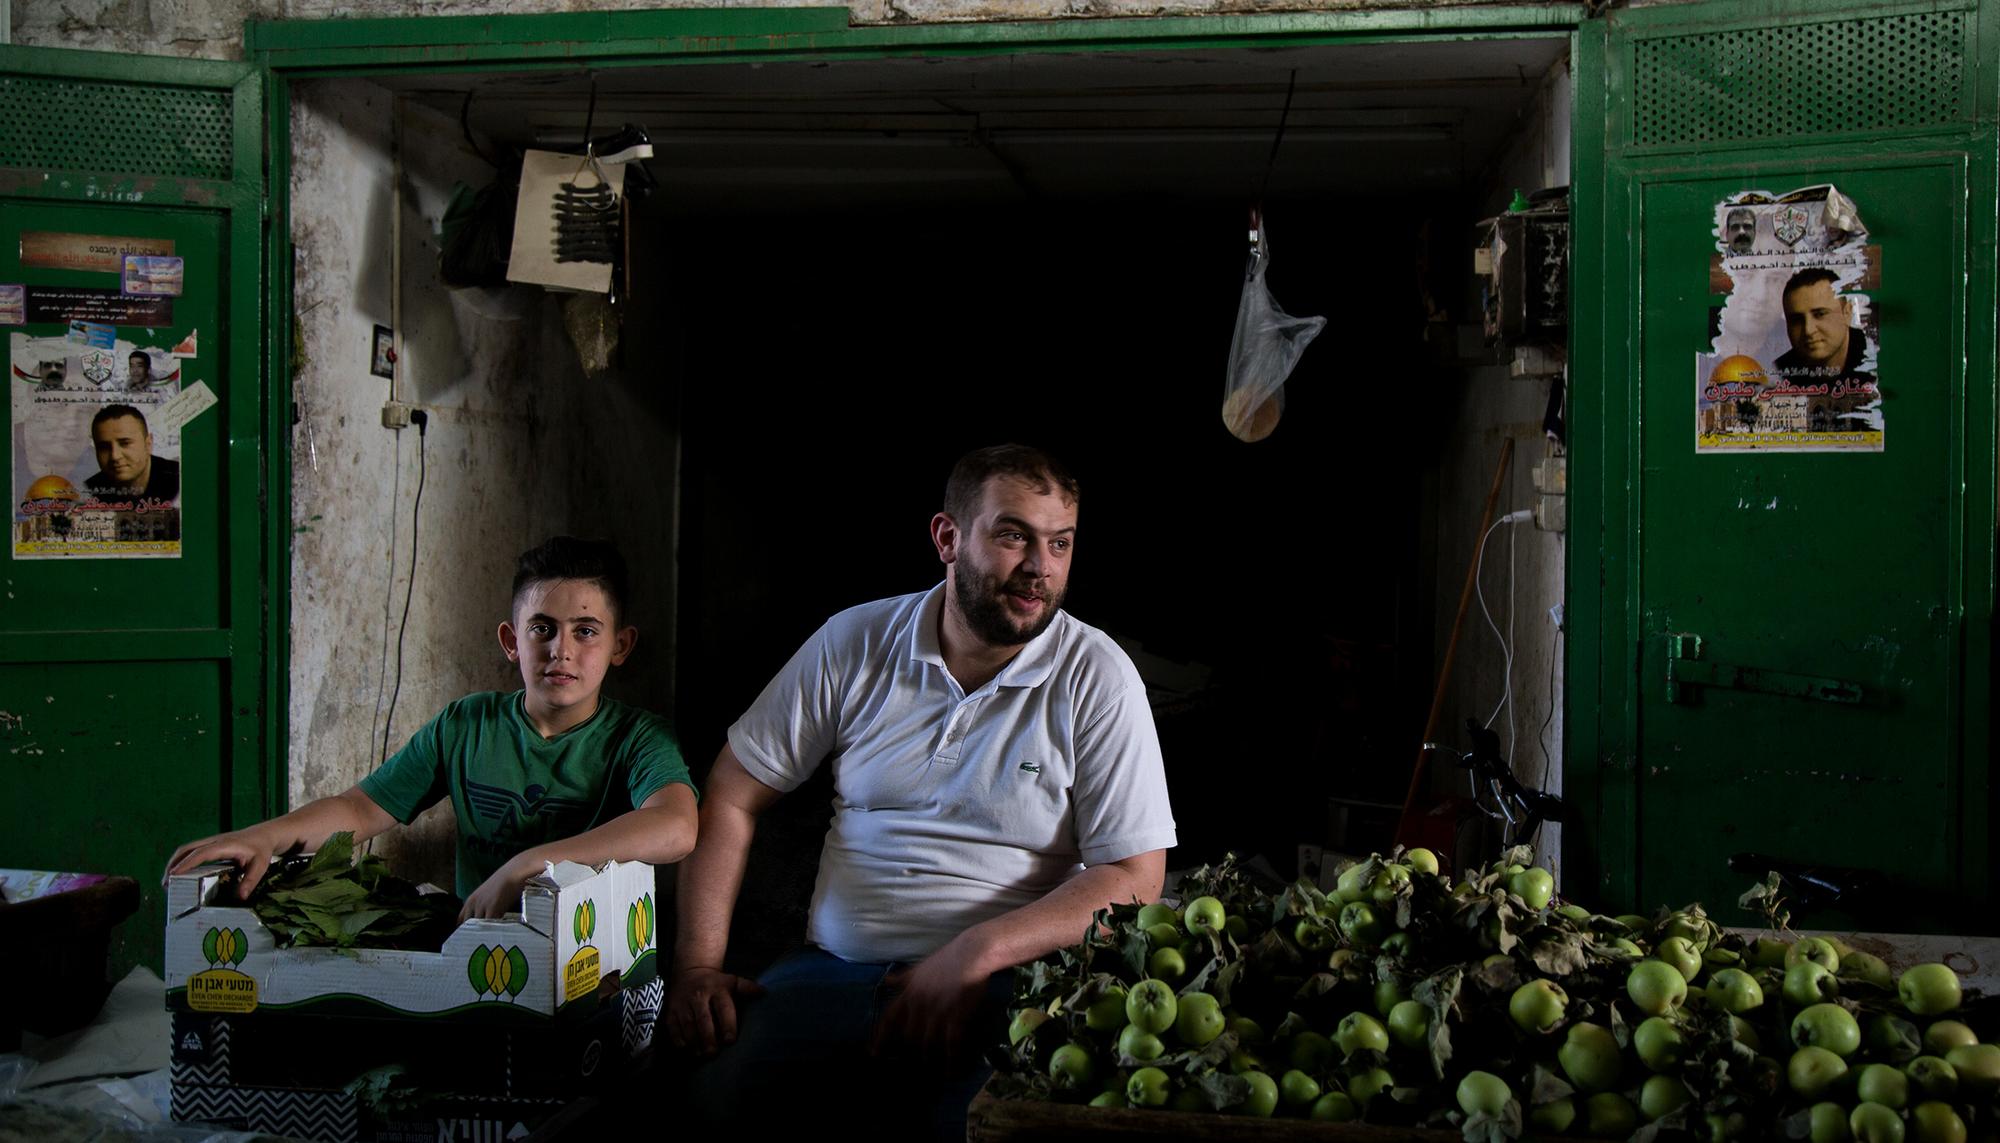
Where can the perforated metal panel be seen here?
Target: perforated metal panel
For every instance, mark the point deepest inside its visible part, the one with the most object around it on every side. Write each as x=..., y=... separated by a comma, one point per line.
x=60, y=124
x=1800, y=79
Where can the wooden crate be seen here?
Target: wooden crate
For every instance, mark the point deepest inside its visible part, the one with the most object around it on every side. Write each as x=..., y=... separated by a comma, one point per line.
x=991, y=1119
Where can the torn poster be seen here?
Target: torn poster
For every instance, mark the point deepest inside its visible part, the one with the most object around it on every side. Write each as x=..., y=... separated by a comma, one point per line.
x=95, y=475
x=1791, y=364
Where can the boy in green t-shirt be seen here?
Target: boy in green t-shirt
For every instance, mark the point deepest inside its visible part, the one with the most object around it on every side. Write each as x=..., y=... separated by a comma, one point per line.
x=551, y=772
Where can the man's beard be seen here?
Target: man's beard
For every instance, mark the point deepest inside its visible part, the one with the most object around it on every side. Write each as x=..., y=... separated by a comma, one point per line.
x=980, y=605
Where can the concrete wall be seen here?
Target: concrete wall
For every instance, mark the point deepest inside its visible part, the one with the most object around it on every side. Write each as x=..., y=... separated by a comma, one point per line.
x=214, y=28
x=513, y=453
x=1494, y=408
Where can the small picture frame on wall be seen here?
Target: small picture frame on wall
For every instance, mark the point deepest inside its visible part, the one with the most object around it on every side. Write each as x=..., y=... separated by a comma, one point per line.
x=383, y=360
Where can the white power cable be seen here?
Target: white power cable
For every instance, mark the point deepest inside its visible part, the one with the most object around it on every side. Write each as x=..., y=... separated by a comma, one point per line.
x=1506, y=640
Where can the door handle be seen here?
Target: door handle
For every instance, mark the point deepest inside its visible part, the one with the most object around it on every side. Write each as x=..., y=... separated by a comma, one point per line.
x=1686, y=668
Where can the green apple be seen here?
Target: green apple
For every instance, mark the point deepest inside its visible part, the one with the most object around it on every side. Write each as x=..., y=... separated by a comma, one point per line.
x=1071, y=1066
x=1808, y=983
x=1656, y=987
x=1483, y=1093
x=1932, y=1077
x=1769, y=952
x=1608, y=1115
x=1107, y=1012
x=1369, y=1084
x=1944, y=1035
x=1166, y=964
x=1829, y=1123
x=1422, y=860
x=1657, y=1043
x=1164, y=936
x=1662, y=1094
x=1978, y=1068
x=1388, y=994
x=1334, y=1107
x=1158, y=913
x=1199, y=1019
x=1313, y=935
x=1928, y=989
x=1892, y=1037
x=1388, y=883
x=1204, y=915
x=1244, y=1060
x=1697, y=931
x=1873, y=1123
x=1934, y=1122
x=1148, y=1087
x=1553, y=1118
x=1296, y=1089
x=1024, y=1024
x=1110, y=1098
x=1310, y=1051
x=1743, y=1032
x=1400, y=943
x=1247, y=1031
x=1150, y=1005
x=1360, y=924
x=1576, y=913
x=1633, y=922
x=1814, y=1072
x=1883, y=1084
x=1734, y=991
x=1352, y=884
x=1263, y=1098
x=1236, y=927
x=1410, y=1024
x=1681, y=953
x=1189, y=1099
x=1827, y=1026
x=1818, y=950
x=1590, y=1058
x=1139, y=1044
x=1534, y=886
x=1625, y=948
x=1359, y=1031
x=1864, y=966
x=1537, y=1006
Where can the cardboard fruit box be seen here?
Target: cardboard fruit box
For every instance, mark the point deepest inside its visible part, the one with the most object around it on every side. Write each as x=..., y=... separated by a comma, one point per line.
x=513, y=1019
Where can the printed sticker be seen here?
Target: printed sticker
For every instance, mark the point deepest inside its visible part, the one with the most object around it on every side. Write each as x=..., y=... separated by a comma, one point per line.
x=51, y=250
x=152, y=276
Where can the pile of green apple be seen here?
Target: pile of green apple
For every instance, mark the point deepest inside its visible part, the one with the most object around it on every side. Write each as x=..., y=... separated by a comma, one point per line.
x=1489, y=1005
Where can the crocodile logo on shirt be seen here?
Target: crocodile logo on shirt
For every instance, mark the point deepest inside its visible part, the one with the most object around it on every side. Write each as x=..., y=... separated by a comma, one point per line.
x=1031, y=767
x=509, y=810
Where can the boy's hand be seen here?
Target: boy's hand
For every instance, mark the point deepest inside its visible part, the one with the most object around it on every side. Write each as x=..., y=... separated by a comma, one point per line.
x=249, y=850
x=500, y=894
x=701, y=1008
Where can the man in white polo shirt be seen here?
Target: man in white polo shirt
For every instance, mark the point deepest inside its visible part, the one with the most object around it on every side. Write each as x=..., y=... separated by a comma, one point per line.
x=997, y=780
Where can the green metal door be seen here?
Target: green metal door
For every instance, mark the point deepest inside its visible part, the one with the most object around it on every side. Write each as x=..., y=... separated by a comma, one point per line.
x=134, y=628
x=1774, y=651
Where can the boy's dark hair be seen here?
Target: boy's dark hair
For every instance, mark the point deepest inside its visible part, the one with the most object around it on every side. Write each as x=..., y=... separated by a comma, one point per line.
x=566, y=557
x=974, y=469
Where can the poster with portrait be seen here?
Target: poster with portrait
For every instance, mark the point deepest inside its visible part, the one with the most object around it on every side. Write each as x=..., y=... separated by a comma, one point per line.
x=1791, y=360
x=96, y=470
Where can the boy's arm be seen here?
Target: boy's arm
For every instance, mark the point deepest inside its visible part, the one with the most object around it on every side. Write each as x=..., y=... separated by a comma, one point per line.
x=307, y=827
x=659, y=832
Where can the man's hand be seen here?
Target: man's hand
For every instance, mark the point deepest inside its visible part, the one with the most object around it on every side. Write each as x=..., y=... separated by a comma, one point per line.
x=935, y=1002
x=701, y=1008
x=249, y=849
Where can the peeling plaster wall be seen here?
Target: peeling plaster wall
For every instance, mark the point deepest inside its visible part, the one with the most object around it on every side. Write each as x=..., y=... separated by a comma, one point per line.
x=214, y=28
x=1493, y=408
x=516, y=450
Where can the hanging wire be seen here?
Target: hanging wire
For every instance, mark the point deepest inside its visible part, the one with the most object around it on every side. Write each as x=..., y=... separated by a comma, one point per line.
x=1271, y=163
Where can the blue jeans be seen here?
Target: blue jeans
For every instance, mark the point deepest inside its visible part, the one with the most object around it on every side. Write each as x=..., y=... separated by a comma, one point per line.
x=802, y=1056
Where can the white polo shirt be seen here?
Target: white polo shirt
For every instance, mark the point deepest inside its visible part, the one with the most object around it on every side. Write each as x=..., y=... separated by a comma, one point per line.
x=952, y=808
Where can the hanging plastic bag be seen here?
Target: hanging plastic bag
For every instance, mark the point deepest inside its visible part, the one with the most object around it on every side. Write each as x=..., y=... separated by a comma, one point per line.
x=1264, y=349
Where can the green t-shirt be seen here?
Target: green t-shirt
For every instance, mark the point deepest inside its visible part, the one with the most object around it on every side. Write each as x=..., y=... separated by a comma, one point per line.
x=512, y=789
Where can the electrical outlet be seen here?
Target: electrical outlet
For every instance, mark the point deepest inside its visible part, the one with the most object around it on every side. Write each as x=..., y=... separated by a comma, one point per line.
x=1551, y=474
x=396, y=415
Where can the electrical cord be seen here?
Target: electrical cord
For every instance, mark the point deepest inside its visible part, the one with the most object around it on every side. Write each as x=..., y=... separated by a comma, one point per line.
x=422, y=420
x=1507, y=640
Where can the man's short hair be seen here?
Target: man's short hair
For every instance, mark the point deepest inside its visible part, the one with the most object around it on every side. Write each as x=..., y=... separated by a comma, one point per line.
x=139, y=355
x=566, y=557
x=969, y=476
x=1738, y=212
x=1811, y=275
x=113, y=412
